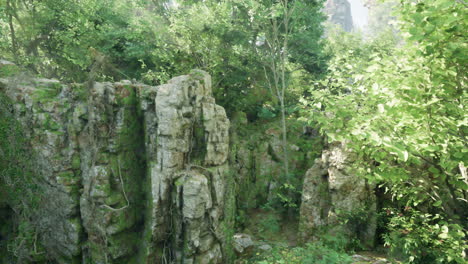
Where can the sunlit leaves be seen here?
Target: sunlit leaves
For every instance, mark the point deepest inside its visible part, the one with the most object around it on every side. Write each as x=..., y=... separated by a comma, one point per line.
x=402, y=108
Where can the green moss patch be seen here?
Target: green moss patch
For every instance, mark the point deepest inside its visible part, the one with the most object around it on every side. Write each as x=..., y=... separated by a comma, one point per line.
x=8, y=70
x=46, y=91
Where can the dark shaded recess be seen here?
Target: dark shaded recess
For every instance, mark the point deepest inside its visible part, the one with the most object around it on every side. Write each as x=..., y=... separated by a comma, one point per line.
x=198, y=148
x=273, y=155
x=232, y=89
x=181, y=239
x=6, y=231
x=383, y=201
x=324, y=190
x=137, y=145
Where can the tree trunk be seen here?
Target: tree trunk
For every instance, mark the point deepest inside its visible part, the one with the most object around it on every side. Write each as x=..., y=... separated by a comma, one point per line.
x=14, y=46
x=285, y=141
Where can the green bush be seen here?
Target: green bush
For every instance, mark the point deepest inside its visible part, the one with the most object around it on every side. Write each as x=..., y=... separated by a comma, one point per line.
x=270, y=224
x=337, y=242
x=8, y=70
x=417, y=237
x=313, y=253
x=267, y=112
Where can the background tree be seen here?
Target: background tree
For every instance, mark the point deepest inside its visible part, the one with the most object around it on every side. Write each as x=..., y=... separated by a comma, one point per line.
x=284, y=25
x=151, y=41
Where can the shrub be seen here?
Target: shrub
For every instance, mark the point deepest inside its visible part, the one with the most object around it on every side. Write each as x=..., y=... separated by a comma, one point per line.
x=312, y=253
x=270, y=224
x=418, y=237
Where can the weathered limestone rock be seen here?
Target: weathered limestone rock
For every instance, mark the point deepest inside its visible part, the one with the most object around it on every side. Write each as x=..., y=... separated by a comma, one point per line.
x=127, y=173
x=245, y=246
x=113, y=172
x=188, y=168
x=361, y=259
x=331, y=191
x=46, y=124
x=87, y=166
x=242, y=243
x=339, y=13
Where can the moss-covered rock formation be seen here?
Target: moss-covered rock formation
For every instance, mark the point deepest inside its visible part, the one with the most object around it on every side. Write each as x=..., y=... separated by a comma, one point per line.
x=129, y=173
x=123, y=172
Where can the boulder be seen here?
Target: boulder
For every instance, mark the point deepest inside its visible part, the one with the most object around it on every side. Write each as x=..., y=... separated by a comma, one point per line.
x=242, y=243
x=332, y=193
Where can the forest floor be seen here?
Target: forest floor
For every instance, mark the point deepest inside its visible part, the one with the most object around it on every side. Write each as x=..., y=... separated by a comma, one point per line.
x=370, y=257
x=268, y=227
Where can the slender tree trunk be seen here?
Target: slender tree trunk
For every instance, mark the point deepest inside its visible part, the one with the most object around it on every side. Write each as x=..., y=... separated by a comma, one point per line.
x=284, y=60
x=277, y=44
x=14, y=45
x=285, y=141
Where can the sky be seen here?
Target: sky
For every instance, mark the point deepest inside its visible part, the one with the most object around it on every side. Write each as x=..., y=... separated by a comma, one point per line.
x=359, y=13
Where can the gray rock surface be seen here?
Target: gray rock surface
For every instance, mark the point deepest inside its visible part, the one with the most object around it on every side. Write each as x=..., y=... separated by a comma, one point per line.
x=129, y=173
x=242, y=243
x=368, y=259
x=187, y=167
x=339, y=13
x=360, y=258
x=331, y=191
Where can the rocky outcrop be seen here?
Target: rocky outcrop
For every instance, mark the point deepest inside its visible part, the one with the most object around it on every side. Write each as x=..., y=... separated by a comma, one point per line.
x=336, y=201
x=112, y=171
x=256, y=157
x=52, y=138
x=127, y=173
x=245, y=246
x=339, y=13
x=188, y=142
x=242, y=243
x=363, y=259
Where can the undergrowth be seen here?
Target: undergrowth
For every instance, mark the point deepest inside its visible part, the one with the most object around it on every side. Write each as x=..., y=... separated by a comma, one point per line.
x=312, y=253
x=17, y=183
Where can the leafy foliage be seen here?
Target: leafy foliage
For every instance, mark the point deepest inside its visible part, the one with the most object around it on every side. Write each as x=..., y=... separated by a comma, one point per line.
x=313, y=253
x=425, y=238
x=398, y=101
x=155, y=41
x=401, y=107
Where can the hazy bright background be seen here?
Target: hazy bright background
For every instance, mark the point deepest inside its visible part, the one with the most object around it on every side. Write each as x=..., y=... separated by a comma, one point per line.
x=359, y=13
